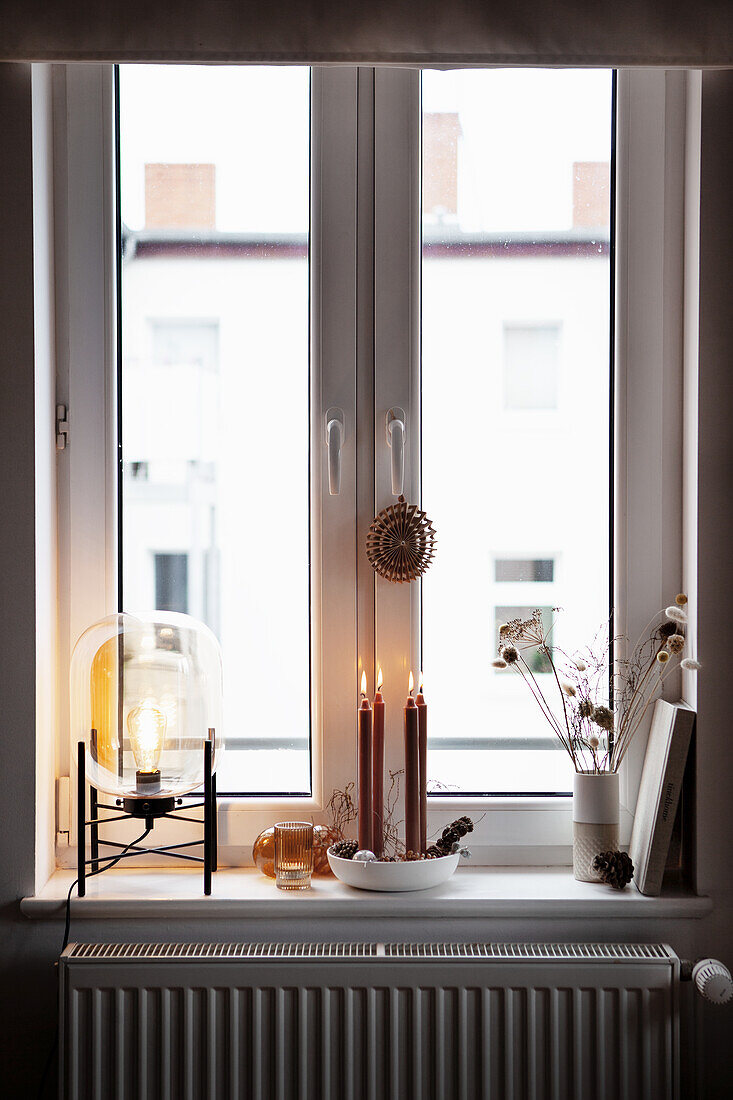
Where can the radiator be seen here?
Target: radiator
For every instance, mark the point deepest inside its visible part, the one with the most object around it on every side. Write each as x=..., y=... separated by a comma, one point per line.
x=361, y=1021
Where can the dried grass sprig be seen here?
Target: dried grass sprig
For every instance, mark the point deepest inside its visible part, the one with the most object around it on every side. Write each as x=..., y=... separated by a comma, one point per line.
x=341, y=808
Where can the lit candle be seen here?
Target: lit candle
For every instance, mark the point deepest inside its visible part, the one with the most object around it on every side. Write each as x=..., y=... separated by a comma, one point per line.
x=378, y=770
x=365, y=769
x=422, y=755
x=412, y=774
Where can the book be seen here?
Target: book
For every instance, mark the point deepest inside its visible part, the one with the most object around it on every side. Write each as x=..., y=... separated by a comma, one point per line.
x=659, y=792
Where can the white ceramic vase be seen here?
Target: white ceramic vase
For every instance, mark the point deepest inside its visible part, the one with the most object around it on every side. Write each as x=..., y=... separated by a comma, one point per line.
x=595, y=821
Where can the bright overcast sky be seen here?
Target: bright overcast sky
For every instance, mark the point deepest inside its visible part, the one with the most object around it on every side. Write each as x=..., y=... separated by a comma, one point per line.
x=522, y=131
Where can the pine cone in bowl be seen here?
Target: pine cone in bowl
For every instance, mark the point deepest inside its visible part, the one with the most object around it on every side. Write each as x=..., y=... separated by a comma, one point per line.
x=345, y=849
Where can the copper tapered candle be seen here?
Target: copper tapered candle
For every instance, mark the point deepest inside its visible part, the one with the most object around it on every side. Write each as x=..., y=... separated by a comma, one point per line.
x=378, y=771
x=365, y=769
x=412, y=775
x=422, y=757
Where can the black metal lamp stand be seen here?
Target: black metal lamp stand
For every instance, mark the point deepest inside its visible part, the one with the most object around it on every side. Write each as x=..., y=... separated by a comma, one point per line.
x=148, y=809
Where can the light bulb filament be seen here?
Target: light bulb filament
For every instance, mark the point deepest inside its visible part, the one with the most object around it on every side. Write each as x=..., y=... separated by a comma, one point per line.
x=147, y=726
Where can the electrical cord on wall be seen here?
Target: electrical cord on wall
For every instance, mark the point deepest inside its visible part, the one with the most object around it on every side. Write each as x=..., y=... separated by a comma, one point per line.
x=111, y=861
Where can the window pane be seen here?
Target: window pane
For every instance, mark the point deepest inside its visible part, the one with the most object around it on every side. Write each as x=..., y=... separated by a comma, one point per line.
x=516, y=287
x=214, y=185
x=524, y=569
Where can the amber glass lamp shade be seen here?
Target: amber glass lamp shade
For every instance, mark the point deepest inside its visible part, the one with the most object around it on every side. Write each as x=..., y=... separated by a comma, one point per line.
x=146, y=693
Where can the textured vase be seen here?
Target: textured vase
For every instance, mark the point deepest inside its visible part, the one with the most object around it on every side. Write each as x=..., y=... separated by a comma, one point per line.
x=595, y=821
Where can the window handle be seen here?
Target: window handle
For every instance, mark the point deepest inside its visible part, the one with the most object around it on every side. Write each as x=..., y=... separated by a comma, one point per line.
x=396, y=441
x=334, y=441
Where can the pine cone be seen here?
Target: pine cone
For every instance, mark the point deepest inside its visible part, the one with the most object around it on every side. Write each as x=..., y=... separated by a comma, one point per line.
x=434, y=852
x=345, y=849
x=615, y=868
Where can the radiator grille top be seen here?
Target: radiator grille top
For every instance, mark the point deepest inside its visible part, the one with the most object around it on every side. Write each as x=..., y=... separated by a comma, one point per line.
x=562, y=952
x=220, y=950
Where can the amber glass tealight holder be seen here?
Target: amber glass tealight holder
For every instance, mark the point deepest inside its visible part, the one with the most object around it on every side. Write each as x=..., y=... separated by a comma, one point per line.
x=293, y=855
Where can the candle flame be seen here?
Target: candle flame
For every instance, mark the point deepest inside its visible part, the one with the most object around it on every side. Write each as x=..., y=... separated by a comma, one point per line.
x=363, y=683
x=420, y=682
x=411, y=683
x=380, y=681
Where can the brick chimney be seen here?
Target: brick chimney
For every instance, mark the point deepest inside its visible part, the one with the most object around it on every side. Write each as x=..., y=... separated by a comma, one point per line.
x=440, y=134
x=180, y=196
x=591, y=180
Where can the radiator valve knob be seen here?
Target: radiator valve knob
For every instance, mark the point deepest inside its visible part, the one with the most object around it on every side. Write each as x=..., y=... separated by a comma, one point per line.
x=713, y=981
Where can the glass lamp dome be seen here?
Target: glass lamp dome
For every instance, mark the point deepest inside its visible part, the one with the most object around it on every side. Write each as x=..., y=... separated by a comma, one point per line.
x=146, y=694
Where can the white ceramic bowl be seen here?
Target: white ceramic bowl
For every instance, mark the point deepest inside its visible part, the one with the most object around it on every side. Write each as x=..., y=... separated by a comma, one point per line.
x=417, y=875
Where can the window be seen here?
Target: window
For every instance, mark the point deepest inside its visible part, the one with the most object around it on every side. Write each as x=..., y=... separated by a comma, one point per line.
x=262, y=283
x=171, y=582
x=524, y=570
x=522, y=245
x=214, y=370
x=531, y=366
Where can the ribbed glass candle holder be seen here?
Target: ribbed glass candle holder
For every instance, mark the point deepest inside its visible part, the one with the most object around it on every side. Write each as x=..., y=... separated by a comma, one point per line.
x=293, y=855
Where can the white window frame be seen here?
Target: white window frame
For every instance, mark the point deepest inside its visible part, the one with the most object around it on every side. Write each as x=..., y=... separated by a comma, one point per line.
x=365, y=356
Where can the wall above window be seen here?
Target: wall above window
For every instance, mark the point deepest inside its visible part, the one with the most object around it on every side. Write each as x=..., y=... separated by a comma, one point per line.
x=458, y=32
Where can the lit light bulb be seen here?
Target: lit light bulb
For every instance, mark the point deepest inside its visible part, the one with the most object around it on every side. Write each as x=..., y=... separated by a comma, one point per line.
x=147, y=727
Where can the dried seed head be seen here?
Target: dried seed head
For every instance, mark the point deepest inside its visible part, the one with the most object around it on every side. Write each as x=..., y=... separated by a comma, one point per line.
x=499, y=663
x=676, y=643
x=510, y=654
x=585, y=708
x=676, y=613
x=667, y=629
x=663, y=656
x=581, y=665
x=568, y=689
x=680, y=599
x=594, y=741
x=504, y=628
x=690, y=664
x=603, y=717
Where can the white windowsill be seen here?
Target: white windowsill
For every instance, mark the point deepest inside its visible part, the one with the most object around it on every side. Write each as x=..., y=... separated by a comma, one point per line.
x=542, y=892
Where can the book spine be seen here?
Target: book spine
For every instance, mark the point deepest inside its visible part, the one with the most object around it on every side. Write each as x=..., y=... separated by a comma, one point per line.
x=669, y=796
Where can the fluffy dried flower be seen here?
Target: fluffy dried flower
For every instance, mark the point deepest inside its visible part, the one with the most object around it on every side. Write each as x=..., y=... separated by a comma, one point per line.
x=676, y=613
x=499, y=663
x=680, y=599
x=676, y=643
x=594, y=741
x=581, y=665
x=510, y=654
x=663, y=656
x=667, y=629
x=690, y=664
x=568, y=688
x=585, y=708
x=603, y=717
x=504, y=628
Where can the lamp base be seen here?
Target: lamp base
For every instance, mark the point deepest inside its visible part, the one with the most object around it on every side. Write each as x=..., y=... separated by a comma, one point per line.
x=148, y=807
